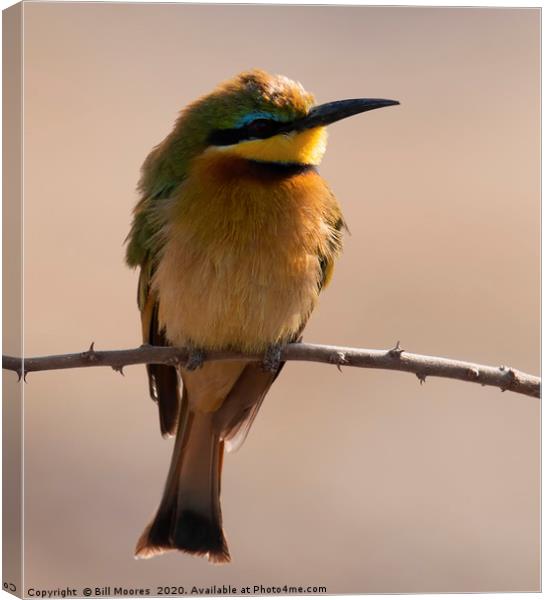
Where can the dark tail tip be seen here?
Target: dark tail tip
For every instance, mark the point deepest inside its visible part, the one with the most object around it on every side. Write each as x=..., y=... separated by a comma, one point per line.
x=193, y=533
x=196, y=534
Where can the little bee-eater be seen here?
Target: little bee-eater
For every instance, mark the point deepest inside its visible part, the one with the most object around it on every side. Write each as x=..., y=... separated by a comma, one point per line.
x=235, y=235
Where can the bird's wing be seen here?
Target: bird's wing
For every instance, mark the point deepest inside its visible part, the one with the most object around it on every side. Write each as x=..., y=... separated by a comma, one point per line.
x=327, y=258
x=163, y=380
x=242, y=404
x=144, y=245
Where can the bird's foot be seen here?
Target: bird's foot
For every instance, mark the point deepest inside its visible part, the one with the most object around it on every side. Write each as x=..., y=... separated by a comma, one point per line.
x=195, y=359
x=272, y=358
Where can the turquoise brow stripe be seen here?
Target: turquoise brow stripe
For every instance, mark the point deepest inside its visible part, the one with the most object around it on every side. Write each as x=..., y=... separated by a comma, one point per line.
x=248, y=118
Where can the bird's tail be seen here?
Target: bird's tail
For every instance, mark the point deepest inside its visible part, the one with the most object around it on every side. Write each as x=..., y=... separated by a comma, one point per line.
x=189, y=516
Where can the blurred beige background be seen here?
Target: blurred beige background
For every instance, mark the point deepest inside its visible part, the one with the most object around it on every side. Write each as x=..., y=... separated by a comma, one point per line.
x=362, y=481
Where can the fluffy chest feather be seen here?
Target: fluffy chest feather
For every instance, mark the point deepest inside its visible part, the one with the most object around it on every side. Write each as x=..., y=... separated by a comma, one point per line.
x=240, y=266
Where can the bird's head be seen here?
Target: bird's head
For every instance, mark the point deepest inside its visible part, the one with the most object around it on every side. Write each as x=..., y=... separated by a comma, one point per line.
x=254, y=116
x=268, y=118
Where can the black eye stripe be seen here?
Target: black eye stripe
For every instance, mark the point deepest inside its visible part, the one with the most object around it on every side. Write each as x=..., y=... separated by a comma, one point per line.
x=257, y=129
x=225, y=137
x=262, y=128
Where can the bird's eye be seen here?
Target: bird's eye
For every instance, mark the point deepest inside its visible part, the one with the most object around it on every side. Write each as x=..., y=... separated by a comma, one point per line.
x=261, y=128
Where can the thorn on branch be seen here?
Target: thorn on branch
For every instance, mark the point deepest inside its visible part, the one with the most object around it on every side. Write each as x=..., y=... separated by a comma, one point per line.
x=421, y=377
x=396, y=351
x=90, y=354
x=339, y=359
x=510, y=376
x=21, y=374
x=118, y=369
x=474, y=373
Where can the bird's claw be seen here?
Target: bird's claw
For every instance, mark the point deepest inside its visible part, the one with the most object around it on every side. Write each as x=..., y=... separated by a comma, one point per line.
x=272, y=358
x=195, y=359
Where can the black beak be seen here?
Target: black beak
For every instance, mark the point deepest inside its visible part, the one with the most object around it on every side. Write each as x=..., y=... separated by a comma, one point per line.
x=328, y=113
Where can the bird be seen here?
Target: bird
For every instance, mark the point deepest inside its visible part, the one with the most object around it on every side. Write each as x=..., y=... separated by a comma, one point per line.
x=235, y=234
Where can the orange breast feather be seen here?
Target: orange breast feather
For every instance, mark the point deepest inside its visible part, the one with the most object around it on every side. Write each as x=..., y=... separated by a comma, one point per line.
x=240, y=266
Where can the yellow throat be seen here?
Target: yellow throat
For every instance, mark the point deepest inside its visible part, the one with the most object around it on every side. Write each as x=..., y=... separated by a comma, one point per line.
x=304, y=147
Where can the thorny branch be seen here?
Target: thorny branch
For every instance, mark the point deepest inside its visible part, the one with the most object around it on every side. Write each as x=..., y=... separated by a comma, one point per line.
x=395, y=359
